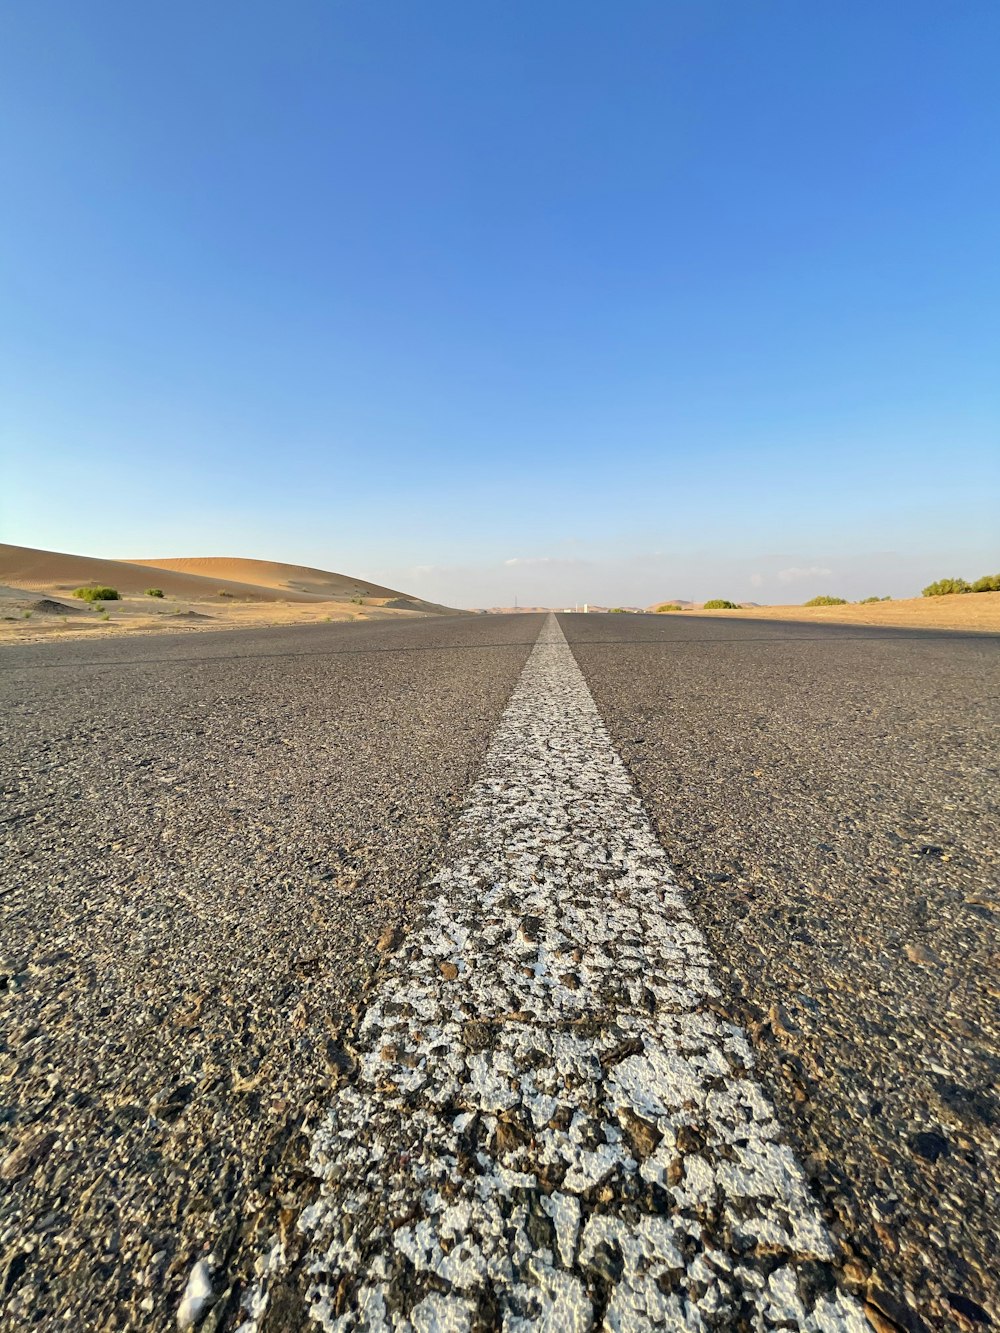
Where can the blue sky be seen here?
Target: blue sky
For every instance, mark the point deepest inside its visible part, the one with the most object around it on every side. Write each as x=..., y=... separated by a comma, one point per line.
x=562, y=300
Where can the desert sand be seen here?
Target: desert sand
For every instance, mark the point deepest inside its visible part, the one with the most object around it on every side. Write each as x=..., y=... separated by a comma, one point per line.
x=36, y=595
x=962, y=611
x=292, y=581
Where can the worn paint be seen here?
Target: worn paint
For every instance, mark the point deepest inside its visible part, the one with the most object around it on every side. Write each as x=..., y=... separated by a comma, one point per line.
x=549, y=1126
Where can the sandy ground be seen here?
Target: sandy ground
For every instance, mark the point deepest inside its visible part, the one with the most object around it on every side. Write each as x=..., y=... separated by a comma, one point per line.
x=37, y=602
x=964, y=611
x=22, y=624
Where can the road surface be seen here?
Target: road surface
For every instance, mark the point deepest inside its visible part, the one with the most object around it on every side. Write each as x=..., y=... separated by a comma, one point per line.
x=376, y=923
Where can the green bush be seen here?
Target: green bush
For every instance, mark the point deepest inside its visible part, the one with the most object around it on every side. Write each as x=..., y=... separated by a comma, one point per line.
x=154, y=592
x=668, y=606
x=826, y=601
x=720, y=604
x=988, y=583
x=945, y=586
x=865, y=601
x=618, y=610
x=97, y=594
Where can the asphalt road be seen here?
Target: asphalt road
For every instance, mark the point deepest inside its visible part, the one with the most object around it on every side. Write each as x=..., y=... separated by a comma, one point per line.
x=830, y=800
x=205, y=836
x=212, y=843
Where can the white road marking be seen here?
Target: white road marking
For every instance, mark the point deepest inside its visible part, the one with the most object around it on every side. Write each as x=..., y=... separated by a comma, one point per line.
x=549, y=1127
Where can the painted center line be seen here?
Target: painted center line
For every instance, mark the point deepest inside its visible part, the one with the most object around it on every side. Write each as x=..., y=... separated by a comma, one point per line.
x=549, y=1128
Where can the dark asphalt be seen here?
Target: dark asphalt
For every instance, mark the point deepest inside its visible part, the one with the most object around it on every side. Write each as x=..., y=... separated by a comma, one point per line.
x=204, y=838
x=829, y=799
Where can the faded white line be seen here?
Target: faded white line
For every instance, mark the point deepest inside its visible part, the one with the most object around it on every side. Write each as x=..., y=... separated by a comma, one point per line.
x=549, y=1126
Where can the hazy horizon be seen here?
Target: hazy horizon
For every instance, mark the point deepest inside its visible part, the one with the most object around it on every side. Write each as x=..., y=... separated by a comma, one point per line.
x=561, y=303
x=639, y=580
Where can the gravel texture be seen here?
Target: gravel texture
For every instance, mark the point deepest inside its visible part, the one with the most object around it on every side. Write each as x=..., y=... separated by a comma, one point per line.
x=208, y=842
x=549, y=1127
x=829, y=801
x=214, y=845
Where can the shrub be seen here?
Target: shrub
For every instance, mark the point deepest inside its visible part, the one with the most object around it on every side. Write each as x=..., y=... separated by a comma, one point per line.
x=224, y=592
x=618, y=610
x=826, y=601
x=668, y=606
x=720, y=604
x=98, y=594
x=154, y=592
x=988, y=583
x=945, y=586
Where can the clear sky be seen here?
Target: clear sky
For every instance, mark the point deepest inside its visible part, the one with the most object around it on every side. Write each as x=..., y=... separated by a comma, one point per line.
x=482, y=298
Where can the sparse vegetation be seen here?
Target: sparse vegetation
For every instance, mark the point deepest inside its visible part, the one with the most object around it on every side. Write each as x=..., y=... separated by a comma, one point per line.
x=720, y=604
x=866, y=601
x=826, y=601
x=358, y=601
x=667, y=606
x=618, y=610
x=94, y=594
x=944, y=587
x=947, y=587
x=105, y=615
x=224, y=592
x=154, y=592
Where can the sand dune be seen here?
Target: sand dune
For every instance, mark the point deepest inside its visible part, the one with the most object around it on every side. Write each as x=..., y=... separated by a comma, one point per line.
x=286, y=579
x=227, y=592
x=59, y=572
x=194, y=579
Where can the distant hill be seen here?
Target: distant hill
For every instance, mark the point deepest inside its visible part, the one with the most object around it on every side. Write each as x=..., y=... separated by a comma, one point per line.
x=196, y=579
x=288, y=581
